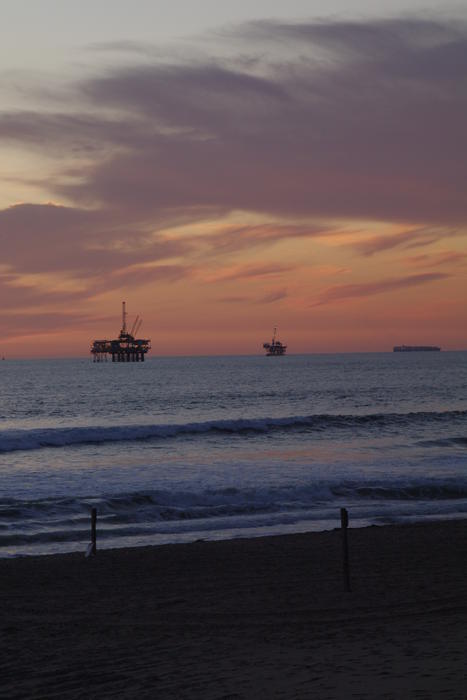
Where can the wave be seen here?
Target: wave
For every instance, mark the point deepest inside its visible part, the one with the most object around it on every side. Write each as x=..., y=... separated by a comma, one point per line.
x=456, y=441
x=14, y=440
x=163, y=504
x=34, y=522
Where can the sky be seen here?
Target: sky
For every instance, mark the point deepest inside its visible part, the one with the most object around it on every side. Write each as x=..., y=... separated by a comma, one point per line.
x=226, y=168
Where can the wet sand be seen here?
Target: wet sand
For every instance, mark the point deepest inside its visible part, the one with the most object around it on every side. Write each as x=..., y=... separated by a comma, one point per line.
x=260, y=618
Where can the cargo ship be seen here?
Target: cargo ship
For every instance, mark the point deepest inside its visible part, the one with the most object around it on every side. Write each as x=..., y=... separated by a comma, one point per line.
x=416, y=348
x=275, y=347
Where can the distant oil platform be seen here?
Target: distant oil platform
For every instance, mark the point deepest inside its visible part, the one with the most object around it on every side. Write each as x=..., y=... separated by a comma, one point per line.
x=416, y=348
x=275, y=347
x=126, y=348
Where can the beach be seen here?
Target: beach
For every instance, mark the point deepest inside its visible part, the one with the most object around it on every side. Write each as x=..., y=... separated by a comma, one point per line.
x=246, y=618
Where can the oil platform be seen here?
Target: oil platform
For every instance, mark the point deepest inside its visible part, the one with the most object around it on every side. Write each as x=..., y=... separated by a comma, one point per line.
x=275, y=348
x=126, y=348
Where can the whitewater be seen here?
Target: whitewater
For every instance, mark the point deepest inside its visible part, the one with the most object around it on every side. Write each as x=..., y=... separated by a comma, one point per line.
x=180, y=449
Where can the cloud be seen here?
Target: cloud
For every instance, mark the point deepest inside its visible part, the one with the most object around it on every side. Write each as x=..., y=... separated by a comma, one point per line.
x=270, y=298
x=25, y=324
x=405, y=239
x=230, y=239
x=375, y=132
x=47, y=237
x=326, y=119
x=367, y=289
x=274, y=296
x=249, y=272
x=15, y=293
x=235, y=300
x=450, y=258
x=86, y=133
x=143, y=274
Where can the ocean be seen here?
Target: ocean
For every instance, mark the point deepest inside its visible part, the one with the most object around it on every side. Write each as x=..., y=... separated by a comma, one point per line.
x=188, y=448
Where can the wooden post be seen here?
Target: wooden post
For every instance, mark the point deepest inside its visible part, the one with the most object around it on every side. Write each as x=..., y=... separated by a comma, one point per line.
x=93, y=530
x=345, y=547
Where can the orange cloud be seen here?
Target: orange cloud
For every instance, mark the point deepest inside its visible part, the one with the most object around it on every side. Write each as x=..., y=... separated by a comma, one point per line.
x=407, y=239
x=367, y=289
x=237, y=272
x=449, y=258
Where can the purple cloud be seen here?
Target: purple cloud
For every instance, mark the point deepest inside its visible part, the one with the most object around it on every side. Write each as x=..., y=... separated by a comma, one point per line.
x=47, y=238
x=374, y=131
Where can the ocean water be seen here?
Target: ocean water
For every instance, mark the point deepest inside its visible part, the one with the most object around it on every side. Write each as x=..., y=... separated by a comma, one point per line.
x=180, y=449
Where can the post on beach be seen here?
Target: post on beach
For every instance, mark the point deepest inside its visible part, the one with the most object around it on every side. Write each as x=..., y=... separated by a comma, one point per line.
x=345, y=548
x=92, y=546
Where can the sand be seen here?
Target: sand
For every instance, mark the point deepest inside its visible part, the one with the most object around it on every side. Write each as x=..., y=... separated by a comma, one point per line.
x=259, y=618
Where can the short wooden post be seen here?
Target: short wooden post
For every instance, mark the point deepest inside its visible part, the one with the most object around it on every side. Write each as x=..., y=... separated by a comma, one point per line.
x=93, y=530
x=345, y=547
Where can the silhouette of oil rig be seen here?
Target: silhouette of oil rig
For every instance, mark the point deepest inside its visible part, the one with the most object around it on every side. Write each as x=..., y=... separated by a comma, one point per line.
x=275, y=348
x=126, y=348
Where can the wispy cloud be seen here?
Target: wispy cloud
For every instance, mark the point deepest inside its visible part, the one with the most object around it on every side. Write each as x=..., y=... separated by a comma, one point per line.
x=235, y=299
x=238, y=272
x=30, y=324
x=448, y=258
x=231, y=239
x=270, y=298
x=412, y=238
x=274, y=296
x=342, y=292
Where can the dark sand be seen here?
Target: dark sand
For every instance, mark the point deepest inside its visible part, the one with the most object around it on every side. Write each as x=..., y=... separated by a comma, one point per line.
x=260, y=618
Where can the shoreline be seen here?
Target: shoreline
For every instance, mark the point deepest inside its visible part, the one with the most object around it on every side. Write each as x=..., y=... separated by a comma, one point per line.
x=243, y=618
x=80, y=549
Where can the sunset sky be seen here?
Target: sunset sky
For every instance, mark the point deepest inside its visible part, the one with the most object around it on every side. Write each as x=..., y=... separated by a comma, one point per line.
x=230, y=167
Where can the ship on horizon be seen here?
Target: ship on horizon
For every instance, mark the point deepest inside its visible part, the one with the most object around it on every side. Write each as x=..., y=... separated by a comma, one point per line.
x=416, y=348
x=275, y=347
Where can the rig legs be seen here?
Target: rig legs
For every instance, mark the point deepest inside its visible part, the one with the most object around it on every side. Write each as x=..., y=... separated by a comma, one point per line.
x=128, y=356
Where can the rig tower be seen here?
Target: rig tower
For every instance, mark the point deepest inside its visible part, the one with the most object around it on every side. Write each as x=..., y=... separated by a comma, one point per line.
x=125, y=348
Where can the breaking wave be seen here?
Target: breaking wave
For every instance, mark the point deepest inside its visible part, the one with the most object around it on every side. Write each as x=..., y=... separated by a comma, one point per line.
x=145, y=513
x=12, y=440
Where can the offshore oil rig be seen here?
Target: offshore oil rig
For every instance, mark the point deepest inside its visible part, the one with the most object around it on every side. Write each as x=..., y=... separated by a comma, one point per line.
x=126, y=348
x=275, y=347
